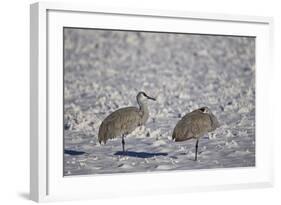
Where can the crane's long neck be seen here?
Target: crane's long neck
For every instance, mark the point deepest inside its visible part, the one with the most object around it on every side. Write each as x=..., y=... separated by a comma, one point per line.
x=143, y=108
x=143, y=105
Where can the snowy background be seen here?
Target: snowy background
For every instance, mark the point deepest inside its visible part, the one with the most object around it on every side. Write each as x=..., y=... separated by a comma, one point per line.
x=104, y=70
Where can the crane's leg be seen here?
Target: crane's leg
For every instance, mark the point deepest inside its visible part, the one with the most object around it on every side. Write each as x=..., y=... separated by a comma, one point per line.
x=123, y=143
x=196, y=149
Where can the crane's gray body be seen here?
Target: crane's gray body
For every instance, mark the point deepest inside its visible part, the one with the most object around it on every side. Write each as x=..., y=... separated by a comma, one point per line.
x=195, y=124
x=123, y=121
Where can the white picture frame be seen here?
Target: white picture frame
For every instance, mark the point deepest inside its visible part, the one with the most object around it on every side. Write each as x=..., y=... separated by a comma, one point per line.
x=46, y=177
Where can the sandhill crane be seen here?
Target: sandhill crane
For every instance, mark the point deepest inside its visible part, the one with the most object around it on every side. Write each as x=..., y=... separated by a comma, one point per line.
x=195, y=125
x=123, y=121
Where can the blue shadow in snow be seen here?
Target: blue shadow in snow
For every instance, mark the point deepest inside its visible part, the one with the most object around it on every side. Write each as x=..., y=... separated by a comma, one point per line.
x=73, y=152
x=140, y=154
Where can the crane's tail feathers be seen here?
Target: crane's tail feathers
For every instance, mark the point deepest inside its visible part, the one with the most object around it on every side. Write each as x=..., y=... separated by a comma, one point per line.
x=173, y=136
x=102, y=136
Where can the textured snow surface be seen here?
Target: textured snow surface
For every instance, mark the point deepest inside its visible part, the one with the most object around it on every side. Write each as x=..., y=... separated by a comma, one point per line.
x=104, y=70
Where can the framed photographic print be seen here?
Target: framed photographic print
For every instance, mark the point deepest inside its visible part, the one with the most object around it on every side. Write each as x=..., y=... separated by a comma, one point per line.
x=147, y=101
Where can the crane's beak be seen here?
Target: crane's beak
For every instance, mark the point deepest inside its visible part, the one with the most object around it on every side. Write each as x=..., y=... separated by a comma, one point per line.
x=150, y=98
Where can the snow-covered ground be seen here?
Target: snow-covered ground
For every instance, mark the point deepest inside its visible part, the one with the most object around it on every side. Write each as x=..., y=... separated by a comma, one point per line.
x=104, y=70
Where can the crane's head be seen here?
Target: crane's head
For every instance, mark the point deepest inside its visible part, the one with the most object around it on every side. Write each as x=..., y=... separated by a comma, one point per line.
x=214, y=120
x=142, y=96
x=205, y=110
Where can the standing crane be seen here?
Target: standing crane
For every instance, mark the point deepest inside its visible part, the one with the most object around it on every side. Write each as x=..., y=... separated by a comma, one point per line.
x=125, y=120
x=195, y=125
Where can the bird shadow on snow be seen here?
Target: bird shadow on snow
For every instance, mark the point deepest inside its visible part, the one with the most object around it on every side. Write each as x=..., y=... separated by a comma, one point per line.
x=140, y=154
x=73, y=152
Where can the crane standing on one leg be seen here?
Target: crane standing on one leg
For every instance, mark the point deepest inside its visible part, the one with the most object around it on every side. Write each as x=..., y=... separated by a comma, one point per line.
x=125, y=120
x=194, y=125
